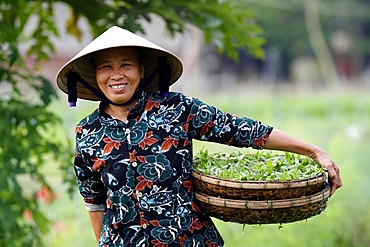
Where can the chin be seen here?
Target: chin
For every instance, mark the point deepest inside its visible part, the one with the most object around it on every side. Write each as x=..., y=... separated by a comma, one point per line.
x=117, y=100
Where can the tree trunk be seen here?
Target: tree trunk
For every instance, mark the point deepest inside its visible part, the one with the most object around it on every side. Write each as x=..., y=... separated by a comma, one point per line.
x=319, y=46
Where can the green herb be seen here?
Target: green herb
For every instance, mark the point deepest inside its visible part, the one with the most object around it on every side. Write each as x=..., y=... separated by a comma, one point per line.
x=259, y=166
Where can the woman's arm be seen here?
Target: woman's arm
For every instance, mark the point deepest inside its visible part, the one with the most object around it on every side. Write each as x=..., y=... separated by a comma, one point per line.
x=96, y=218
x=279, y=140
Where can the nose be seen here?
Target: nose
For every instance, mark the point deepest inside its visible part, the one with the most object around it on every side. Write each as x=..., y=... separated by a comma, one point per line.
x=116, y=74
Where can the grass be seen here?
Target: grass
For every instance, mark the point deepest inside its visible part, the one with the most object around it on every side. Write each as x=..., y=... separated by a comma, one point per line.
x=338, y=122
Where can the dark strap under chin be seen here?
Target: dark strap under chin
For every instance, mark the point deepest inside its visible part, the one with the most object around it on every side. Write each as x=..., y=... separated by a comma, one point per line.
x=164, y=78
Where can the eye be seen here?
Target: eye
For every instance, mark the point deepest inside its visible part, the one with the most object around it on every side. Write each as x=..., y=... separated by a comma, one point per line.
x=104, y=66
x=126, y=65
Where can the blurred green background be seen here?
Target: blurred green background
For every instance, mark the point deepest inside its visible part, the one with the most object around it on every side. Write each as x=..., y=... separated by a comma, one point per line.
x=302, y=66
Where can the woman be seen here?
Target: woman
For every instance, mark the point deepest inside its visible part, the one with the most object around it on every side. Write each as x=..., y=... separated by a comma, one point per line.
x=134, y=153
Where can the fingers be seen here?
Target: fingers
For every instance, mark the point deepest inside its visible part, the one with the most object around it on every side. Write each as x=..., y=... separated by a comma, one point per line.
x=329, y=165
x=334, y=178
x=333, y=170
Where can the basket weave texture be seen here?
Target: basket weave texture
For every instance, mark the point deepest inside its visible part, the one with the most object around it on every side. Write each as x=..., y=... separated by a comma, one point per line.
x=264, y=212
x=270, y=202
x=257, y=190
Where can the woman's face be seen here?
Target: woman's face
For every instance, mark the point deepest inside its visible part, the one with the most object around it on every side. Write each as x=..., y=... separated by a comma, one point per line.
x=118, y=73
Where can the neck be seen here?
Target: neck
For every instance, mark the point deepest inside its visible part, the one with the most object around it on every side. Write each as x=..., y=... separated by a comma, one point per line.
x=120, y=112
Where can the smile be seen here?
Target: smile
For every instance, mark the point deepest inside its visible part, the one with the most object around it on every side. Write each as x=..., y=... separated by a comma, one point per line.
x=118, y=86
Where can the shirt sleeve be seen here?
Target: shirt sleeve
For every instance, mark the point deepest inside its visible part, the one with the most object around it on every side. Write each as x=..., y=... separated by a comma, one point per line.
x=208, y=123
x=90, y=185
x=93, y=207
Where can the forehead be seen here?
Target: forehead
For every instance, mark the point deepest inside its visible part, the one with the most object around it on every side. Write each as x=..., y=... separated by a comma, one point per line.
x=121, y=53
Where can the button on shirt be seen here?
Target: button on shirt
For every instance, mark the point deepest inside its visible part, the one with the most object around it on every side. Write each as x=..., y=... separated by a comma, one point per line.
x=139, y=172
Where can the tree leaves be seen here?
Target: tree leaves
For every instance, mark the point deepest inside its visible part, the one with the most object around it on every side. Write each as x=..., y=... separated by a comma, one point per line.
x=229, y=25
x=28, y=142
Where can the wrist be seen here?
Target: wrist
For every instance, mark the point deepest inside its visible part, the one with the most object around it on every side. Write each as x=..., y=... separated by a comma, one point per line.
x=316, y=152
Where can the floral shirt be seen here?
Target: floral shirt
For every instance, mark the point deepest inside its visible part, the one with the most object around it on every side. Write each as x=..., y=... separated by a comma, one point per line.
x=139, y=172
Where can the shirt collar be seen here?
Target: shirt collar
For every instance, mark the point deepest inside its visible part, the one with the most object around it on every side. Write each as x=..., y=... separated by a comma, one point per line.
x=108, y=120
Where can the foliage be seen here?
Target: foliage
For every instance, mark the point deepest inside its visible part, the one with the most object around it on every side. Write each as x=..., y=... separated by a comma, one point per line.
x=27, y=144
x=229, y=25
x=278, y=23
x=14, y=18
x=27, y=140
x=258, y=166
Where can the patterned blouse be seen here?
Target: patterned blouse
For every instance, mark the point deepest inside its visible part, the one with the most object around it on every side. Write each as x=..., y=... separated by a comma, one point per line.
x=139, y=172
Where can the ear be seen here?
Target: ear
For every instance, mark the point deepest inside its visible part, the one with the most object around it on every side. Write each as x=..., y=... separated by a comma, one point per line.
x=142, y=72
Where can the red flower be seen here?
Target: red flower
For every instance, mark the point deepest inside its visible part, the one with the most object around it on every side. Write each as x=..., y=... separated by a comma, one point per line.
x=211, y=244
x=78, y=129
x=151, y=104
x=195, y=207
x=132, y=156
x=154, y=222
x=188, y=184
x=195, y=225
x=89, y=200
x=148, y=140
x=45, y=195
x=109, y=203
x=110, y=145
x=260, y=141
x=168, y=143
x=97, y=164
x=186, y=127
x=28, y=216
x=143, y=221
x=206, y=128
x=182, y=240
x=156, y=243
x=141, y=158
x=143, y=183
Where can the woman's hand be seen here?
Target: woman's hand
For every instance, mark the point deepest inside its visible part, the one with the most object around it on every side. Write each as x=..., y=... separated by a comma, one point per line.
x=329, y=165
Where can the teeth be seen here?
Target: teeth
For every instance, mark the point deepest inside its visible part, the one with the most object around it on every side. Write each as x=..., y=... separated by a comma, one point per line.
x=117, y=86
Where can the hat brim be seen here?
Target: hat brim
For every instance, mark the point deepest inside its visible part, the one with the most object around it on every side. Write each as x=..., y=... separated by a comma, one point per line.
x=115, y=37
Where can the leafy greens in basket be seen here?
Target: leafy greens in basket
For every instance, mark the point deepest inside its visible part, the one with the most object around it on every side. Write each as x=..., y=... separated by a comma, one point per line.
x=259, y=166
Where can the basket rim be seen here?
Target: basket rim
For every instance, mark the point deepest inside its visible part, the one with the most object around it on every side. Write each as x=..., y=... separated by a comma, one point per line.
x=265, y=204
x=273, y=184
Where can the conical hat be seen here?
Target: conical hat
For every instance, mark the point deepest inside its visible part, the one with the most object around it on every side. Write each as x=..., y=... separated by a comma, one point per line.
x=82, y=63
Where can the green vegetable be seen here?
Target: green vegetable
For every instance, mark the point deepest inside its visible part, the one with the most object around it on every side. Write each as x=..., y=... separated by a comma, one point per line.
x=259, y=166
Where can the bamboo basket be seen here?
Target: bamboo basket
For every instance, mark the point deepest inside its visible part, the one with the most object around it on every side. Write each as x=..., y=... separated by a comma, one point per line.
x=256, y=190
x=264, y=211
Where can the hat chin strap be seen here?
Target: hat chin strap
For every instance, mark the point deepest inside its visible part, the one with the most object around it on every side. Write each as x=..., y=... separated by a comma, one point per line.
x=164, y=70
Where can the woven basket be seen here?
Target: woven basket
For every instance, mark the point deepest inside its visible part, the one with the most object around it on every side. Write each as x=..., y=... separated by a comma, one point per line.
x=256, y=190
x=264, y=212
